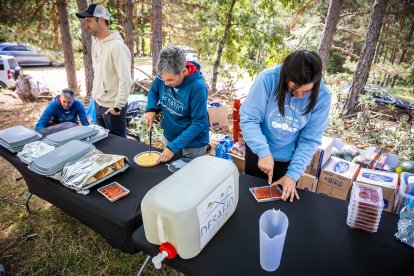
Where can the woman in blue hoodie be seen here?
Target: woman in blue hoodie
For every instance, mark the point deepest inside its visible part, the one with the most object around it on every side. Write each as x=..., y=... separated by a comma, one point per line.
x=283, y=119
x=182, y=94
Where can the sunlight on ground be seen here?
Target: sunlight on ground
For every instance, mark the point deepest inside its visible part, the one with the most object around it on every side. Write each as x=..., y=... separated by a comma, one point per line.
x=55, y=77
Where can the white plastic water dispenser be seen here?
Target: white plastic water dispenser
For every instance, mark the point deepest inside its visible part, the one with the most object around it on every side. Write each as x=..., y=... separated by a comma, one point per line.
x=188, y=208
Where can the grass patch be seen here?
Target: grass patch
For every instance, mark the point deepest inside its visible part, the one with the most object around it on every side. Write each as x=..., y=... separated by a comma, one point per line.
x=50, y=242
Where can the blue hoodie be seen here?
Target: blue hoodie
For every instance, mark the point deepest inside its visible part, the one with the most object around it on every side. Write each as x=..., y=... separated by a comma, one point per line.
x=184, y=108
x=293, y=138
x=56, y=113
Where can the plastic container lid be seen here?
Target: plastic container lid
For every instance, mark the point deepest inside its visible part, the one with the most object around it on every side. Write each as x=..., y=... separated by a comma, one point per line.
x=361, y=213
x=359, y=226
x=53, y=161
x=367, y=195
x=17, y=136
x=365, y=207
x=74, y=133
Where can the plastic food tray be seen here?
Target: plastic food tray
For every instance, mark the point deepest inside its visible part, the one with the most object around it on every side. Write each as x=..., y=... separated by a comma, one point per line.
x=367, y=195
x=87, y=187
x=75, y=133
x=266, y=199
x=113, y=191
x=54, y=161
x=368, y=228
x=141, y=164
x=14, y=138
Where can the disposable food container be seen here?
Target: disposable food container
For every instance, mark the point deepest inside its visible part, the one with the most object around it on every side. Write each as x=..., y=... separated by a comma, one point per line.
x=188, y=208
x=14, y=138
x=75, y=133
x=365, y=207
x=147, y=159
x=53, y=161
x=113, y=191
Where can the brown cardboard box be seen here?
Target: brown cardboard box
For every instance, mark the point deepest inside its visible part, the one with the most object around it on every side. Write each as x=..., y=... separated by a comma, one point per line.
x=386, y=180
x=339, y=174
x=307, y=182
x=218, y=116
x=320, y=157
x=239, y=162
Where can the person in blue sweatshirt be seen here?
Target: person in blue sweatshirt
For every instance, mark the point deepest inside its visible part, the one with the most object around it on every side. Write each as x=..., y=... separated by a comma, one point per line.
x=180, y=91
x=283, y=118
x=64, y=108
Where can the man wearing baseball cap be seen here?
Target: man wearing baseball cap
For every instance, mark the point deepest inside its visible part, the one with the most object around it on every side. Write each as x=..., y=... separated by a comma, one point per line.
x=111, y=60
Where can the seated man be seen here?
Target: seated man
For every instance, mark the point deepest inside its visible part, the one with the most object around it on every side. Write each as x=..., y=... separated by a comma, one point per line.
x=64, y=108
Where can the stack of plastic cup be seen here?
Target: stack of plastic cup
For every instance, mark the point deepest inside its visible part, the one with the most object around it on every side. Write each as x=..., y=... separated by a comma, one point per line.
x=365, y=207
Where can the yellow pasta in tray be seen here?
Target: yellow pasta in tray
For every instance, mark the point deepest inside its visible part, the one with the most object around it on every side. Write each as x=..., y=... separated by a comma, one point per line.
x=147, y=159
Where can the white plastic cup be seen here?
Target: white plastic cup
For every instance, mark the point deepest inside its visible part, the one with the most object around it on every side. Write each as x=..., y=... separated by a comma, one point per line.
x=273, y=225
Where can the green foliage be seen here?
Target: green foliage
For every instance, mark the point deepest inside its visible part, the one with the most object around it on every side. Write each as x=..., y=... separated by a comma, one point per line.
x=255, y=39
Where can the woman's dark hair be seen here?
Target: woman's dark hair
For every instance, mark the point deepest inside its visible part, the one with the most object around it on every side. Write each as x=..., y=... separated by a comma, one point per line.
x=300, y=67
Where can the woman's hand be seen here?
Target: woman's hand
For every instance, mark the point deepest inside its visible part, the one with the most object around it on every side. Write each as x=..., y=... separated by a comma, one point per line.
x=289, y=188
x=266, y=164
x=166, y=155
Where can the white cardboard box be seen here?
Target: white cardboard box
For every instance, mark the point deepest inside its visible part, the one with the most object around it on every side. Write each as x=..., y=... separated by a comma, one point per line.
x=336, y=178
x=386, y=180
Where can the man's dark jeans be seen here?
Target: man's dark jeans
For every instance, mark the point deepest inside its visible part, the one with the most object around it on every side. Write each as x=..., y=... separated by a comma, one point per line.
x=115, y=123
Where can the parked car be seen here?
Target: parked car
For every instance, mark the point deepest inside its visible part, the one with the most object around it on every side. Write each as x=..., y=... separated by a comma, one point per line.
x=385, y=103
x=24, y=54
x=9, y=71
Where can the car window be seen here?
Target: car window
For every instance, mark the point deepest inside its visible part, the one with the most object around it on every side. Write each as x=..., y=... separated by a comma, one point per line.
x=388, y=97
x=1, y=65
x=7, y=48
x=19, y=48
x=12, y=63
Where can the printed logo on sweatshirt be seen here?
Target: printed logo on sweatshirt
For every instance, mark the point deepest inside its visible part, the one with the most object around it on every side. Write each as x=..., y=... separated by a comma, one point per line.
x=171, y=101
x=291, y=123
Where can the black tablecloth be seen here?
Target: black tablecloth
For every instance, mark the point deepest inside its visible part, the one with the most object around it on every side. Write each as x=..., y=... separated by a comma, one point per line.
x=318, y=241
x=115, y=221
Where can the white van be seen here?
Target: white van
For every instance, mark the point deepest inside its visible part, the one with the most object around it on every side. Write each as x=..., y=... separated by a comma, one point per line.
x=9, y=71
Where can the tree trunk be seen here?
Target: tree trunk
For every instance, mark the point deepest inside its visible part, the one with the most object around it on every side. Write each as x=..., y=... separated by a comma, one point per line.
x=366, y=57
x=86, y=48
x=67, y=45
x=143, y=28
x=378, y=53
x=222, y=43
x=331, y=22
x=409, y=37
x=129, y=29
x=156, y=29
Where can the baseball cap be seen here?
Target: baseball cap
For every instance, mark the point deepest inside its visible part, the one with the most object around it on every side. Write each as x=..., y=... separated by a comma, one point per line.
x=95, y=10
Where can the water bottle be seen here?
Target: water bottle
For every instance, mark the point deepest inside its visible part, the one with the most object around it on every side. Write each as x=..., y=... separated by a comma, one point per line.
x=221, y=150
x=229, y=145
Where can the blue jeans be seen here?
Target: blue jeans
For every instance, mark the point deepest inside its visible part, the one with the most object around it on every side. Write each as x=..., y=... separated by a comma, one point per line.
x=190, y=153
x=115, y=123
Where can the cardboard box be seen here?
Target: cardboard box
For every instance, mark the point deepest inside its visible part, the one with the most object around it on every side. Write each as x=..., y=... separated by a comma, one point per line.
x=386, y=180
x=339, y=174
x=368, y=159
x=239, y=162
x=307, y=182
x=386, y=162
x=217, y=115
x=320, y=157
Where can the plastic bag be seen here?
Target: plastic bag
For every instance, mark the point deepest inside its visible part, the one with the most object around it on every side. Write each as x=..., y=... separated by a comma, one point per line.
x=91, y=112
